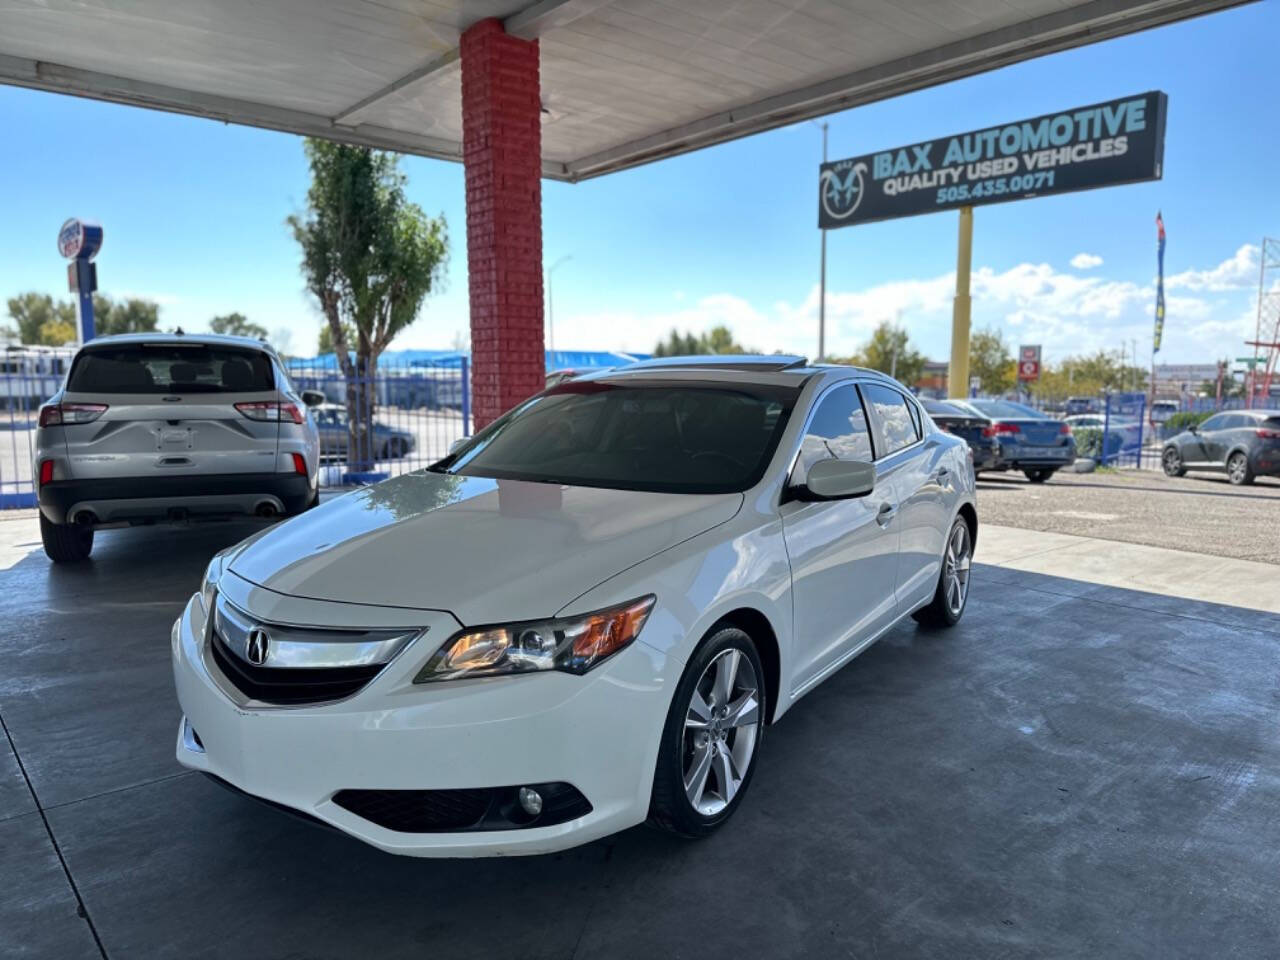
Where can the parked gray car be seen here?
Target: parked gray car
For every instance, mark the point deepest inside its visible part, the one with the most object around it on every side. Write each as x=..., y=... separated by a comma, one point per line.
x=1241, y=443
x=152, y=427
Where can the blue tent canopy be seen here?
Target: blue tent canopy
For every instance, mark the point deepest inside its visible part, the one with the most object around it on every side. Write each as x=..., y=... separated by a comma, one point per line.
x=393, y=359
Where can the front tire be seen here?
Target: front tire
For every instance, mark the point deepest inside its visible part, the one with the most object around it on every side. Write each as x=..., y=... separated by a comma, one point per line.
x=949, y=599
x=65, y=542
x=1238, y=470
x=1171, y=461
x=711, y=737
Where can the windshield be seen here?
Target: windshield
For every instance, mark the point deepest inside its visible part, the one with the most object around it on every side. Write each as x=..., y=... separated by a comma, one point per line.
x=661, y=437
x=1007, y=410
x=170, y=369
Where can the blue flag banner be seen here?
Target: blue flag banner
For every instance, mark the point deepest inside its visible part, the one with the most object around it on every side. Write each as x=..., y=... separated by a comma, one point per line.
x=1158, y=335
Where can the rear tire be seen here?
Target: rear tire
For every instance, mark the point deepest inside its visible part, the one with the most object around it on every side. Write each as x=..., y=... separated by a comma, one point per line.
x=952, y=595
x=65, y=542
x=1171, y=461
x=1238, y=470
x=726, y=745
x=1038, y=476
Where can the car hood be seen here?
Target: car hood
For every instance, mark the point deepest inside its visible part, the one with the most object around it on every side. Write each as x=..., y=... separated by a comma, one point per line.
x=484, y=550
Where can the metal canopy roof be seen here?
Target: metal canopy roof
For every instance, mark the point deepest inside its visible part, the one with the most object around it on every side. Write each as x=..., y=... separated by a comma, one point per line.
x=623, y=81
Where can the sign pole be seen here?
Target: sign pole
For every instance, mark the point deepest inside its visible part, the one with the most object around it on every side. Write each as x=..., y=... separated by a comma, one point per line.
x=958, y=371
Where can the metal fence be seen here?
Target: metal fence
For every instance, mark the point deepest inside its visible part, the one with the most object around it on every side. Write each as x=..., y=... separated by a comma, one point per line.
x=412, y=413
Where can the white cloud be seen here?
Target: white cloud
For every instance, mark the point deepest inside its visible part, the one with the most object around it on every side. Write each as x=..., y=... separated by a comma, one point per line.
x=1086, y=261
x=1237, y=272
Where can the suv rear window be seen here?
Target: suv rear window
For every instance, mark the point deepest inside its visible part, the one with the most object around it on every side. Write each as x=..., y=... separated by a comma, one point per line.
x=170, y=369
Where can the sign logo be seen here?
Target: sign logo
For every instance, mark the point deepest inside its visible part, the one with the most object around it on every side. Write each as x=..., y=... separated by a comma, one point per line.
x=259, y=644
x=79, y=239
x=1029, y=362
x=842, y=189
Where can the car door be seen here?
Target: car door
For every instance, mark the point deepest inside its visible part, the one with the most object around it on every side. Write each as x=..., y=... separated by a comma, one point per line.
x=920, y=482
x=843, y=553
x=1218, y=441
x=1196, y=449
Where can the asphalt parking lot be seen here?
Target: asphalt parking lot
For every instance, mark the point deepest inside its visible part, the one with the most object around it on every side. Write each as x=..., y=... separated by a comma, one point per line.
x=1076, y=770
x=1200, y=512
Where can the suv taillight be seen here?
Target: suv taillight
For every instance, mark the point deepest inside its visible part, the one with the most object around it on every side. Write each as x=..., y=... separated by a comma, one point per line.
x=269, y=410
x=63, y=414
x=1268, y=434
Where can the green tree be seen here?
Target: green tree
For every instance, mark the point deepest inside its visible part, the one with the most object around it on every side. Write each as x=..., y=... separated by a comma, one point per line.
x=889, y=350
x=717, y=340
x=238, y=325
x=324, y=343
x=370, y=257
x=991, y=361
x=39, y=319
x=129, y=316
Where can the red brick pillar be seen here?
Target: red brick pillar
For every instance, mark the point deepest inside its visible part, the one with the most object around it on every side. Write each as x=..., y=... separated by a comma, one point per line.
x=502, y=153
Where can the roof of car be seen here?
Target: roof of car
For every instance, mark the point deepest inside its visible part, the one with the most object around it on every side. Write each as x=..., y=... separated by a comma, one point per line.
x=219, y=339
x=777, y=369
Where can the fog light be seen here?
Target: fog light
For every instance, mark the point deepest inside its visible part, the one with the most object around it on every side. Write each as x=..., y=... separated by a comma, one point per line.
x=530, y=801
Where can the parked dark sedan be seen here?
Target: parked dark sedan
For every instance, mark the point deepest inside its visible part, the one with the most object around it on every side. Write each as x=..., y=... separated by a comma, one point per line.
x=967, y=423
x=1242, y=443
x=1037, y=445
x=335, y=438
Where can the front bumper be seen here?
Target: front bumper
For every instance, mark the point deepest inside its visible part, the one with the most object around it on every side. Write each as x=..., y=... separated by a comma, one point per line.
x=598, y=732
x=116, y=499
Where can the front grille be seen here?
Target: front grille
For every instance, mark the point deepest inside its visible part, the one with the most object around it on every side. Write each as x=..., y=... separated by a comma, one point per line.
x=451, y=811
x=417, y=811
x=290, y=685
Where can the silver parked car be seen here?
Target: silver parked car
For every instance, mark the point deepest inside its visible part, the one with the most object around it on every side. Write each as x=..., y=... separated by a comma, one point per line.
x=154, y=427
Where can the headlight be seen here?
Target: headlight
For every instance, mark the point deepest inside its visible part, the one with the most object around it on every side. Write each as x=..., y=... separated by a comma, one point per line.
x=574, y=645
x=209, y=584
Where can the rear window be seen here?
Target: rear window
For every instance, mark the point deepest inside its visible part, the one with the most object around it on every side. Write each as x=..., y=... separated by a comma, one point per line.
x=1008, y=410
x=170, y=369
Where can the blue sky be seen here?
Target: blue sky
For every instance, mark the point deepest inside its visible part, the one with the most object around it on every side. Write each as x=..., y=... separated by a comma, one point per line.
x=194, y=213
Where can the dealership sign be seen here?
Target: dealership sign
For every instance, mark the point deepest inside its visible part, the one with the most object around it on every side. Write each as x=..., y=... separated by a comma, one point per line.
x=1029, y=362
x=1120, y=141
x=79, y=239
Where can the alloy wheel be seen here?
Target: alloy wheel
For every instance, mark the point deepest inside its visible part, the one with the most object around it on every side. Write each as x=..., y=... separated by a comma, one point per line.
x=720, y=732
x=1172, y=462
x=955, y=572
x=1237, y=468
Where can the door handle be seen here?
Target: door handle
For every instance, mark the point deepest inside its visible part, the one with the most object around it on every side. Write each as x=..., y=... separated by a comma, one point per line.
x=886, y=513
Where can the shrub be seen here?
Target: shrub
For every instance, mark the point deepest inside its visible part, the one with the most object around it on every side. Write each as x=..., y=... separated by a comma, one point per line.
x=1183, y=419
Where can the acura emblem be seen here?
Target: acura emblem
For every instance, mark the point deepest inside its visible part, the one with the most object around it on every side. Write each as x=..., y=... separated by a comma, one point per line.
x=256, y=650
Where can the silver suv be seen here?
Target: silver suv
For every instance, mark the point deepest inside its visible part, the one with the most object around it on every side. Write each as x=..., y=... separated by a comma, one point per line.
x=154, y=427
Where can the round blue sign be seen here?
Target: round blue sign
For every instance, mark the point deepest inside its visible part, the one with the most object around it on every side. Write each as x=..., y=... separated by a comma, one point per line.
x=79, y=239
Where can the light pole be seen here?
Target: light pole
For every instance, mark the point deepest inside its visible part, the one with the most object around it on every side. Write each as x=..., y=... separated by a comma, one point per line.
x=822, y=269
x=551, y=302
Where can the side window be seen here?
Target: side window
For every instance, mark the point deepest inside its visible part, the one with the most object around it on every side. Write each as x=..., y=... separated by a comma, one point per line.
x=1215, y=423
x=898, y=426
x=838, y=430
x=915, y=418
x=1238, y=420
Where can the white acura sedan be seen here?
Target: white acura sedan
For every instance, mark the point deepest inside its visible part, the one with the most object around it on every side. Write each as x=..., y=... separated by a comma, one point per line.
x=582, y=618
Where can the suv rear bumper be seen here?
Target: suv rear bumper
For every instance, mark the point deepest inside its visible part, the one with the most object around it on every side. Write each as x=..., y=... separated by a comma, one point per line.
x=118, y=499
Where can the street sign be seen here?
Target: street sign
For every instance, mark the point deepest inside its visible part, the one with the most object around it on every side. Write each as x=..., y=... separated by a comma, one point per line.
x=79, y=239
x=1120, y=141
x=1029, y=362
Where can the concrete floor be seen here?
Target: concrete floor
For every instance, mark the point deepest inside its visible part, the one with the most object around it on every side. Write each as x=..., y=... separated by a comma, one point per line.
x=1077, y=770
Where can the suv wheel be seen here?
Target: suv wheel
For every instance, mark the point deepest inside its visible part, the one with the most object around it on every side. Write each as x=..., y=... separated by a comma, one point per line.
x=65, y=542
x=711, y=737
x=1238, y=469
x=1171, y=460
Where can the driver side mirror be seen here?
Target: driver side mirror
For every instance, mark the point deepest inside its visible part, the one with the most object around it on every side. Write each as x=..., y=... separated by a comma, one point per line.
x=838, y=480
x=1192, y=428
x=313, y=398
